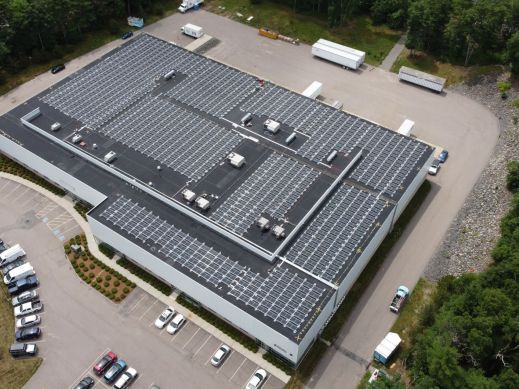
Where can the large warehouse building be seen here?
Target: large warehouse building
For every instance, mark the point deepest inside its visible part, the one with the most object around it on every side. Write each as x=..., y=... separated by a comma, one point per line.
x=261, y=204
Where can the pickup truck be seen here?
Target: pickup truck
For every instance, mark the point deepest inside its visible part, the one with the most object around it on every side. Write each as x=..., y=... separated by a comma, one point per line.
x=28, y=308
x=398, y=301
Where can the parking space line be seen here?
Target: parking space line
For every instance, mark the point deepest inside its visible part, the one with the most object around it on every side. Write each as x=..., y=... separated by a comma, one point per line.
x=88, y=368
x=146, y=311
x=254, y=371
x=137, y=303
x=5, y=184
x=191, y=338
x=239, y=367
x=11, y=192
x=203, y=344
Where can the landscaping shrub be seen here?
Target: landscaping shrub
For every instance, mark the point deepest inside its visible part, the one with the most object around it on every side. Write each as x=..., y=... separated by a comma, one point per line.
x=92, y=266
x=126, y=290
x=145, y=276
x=106, y=250
x=108, y=277
x=114, y=290
x=106, y=284
x=117, y=283
x=91, y=275
x=273, y=359
x=99, y=279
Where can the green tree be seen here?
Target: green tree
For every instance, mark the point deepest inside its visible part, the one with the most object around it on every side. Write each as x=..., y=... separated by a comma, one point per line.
x=512, y=180
x=426, y=23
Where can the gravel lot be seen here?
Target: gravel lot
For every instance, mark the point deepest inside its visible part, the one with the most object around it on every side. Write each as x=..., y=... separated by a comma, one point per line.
x=474, y=232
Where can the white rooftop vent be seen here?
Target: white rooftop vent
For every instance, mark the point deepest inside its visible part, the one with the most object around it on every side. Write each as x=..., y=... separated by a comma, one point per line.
x=272, y=126
x=159, y=168
x=246, y=119
x=56, y=126
x=236, y=160
x=202, y=203
x=76, y=138
x=263, y=223
x=169, y=74
x=188, y=195
x=278, y=232
x=110, y=157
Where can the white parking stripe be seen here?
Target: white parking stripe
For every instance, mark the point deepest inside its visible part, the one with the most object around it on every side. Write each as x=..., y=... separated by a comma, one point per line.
x=239, y=367
x=88, y=368
x=146, y=311
x=203, y=344
x=191, y=338
x=137, y=303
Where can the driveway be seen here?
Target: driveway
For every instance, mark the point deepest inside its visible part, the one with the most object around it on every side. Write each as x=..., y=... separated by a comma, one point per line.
x=467, y=129
x=79, y=324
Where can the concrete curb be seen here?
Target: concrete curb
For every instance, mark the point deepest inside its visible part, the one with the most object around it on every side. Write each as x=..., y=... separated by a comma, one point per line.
x=67, y=204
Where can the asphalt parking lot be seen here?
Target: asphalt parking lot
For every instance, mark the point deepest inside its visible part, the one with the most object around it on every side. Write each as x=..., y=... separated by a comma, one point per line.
x=79, y=325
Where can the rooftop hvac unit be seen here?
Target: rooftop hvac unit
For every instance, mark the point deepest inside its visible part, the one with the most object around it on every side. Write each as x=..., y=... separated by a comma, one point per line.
x=188, y=195
x=76, y=138
x=272, y=126
x=110, y=157
x=263, y=223
x=169, y=75
x=278, y=232
x=246, y=119
x=55, y=127
x=236, y=160
x=202, y=203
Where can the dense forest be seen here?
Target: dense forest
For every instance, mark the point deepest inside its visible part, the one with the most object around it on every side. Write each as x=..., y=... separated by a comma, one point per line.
x=471, y=336
x=461, y=31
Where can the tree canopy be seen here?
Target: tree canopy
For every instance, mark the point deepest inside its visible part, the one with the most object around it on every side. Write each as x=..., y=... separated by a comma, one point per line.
x=474, y=339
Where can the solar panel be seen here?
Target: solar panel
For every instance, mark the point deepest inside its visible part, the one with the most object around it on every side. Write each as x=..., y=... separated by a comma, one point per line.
x=329, y=243
x=273, y=188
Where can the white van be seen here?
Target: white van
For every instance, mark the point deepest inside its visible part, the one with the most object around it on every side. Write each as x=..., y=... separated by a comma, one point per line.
x=18, y=273
x=192, y=30
x=11, y=255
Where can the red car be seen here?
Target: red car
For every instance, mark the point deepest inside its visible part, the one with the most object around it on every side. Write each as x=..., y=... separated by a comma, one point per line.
x=104, y=363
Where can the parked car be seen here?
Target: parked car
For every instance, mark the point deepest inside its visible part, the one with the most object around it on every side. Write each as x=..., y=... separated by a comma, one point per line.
x=175, y=324
x=12, y=265
x=220, y=355
x=435, y=167
x=104, y=363
x=23, y=285
x=57, y=68
x=27, y=334
x=443, y=156
x=28, y=308
x=114, y=371
x=28, y=321
x=85, y=383
x=164, y=317
x=126, y=378
x=23, y=350
x=25, y=297
x=374, y=376
x=127, y=35
x=3, y=246
x=257, y=379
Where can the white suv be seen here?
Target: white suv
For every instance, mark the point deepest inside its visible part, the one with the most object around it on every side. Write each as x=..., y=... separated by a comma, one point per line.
x=175, y=324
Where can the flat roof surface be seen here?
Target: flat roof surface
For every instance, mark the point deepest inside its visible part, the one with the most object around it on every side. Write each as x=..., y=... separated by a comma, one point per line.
x=176, y=134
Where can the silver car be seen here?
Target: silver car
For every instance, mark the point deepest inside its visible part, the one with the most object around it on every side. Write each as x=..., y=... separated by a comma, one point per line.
x=28, y=321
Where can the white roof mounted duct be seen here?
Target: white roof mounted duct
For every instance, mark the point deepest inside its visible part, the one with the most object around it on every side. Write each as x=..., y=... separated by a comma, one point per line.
x=110, y=157
x=56, y=126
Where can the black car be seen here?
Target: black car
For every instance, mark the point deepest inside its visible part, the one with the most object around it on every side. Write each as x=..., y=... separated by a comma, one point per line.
x=27, y=333
x=85, y=383
x=3, y=246
x=127, y=35
x=23, y=285
x=12, y=265
x=57, y=68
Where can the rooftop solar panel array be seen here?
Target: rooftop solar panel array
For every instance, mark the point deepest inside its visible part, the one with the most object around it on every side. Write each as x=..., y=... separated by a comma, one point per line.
x=273, y=189
x=284, y=296
x=329, y=243
x=213, y=88
x=102, y=91
x=179, y=139
x=387, y=158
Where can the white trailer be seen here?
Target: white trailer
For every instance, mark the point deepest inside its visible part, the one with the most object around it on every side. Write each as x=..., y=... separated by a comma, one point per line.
x=406, y=127
x=387, y=347
x=192, y=30
x=313, y=90
x=342, y=55
x=188, y=4
x=421, y=79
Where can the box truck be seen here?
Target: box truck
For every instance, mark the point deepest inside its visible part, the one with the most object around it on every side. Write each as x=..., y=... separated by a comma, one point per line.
x=188, y=4
x=18, y=273
x=11, y=255
x=387, y=347
x=192, y=30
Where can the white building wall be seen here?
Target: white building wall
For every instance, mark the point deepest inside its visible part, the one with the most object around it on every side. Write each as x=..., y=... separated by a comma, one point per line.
x=50, y=171
x=248, y=323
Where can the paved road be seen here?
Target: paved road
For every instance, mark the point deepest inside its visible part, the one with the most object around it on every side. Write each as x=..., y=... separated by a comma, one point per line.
x=393, y=54
x=79, y=324
x=453, y=121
